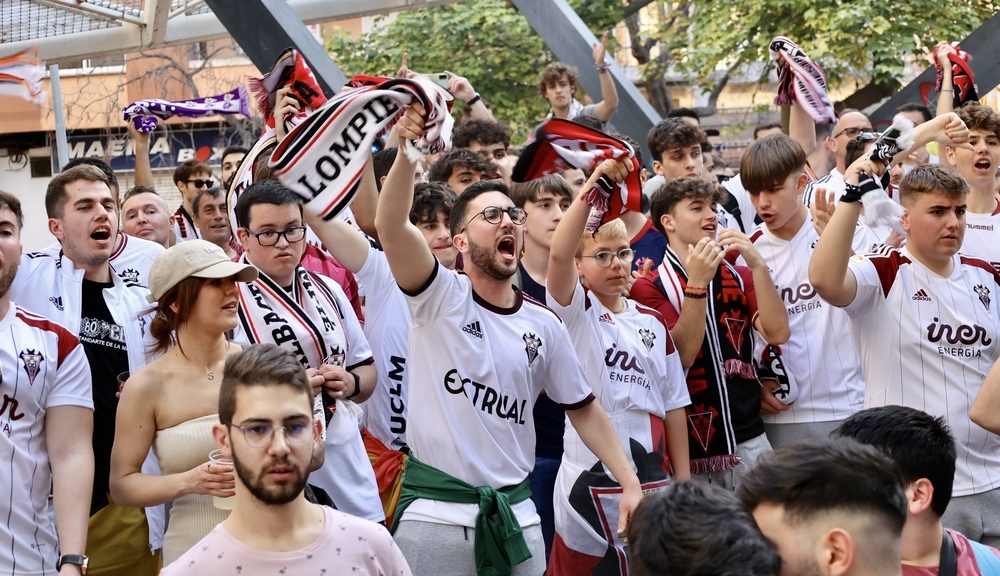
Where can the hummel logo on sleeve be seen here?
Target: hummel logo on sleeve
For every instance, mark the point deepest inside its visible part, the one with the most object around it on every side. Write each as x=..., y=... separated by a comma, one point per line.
x=921, y=295
x=474, y=328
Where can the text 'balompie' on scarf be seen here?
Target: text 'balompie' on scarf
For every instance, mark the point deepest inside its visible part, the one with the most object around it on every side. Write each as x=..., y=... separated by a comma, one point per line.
x=323, y=158
x=801, y=80
x=563, y=145
x=145, y=115
x=21, y=75
x=963, y=83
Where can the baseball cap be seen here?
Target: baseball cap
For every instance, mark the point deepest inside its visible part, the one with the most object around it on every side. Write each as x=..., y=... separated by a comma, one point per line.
x=197, y=258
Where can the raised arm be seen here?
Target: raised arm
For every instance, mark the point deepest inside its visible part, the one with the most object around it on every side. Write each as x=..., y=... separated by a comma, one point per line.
x=986, y=408
x=689, y=331
x=68, y=434
x=343, y=242
x=562, y=277
x=409, y=257
x=463, y=90
x=946, y=102
x=135, y=427
x=143, y=170
x=366, y=202
x=828, y=271
x=609, y=94
x=802, y=128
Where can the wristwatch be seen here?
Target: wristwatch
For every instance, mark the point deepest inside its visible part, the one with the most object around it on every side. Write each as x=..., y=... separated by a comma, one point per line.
x=78, y=559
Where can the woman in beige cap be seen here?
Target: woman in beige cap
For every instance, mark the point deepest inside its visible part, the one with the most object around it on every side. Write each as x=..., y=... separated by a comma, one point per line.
x=172, y=403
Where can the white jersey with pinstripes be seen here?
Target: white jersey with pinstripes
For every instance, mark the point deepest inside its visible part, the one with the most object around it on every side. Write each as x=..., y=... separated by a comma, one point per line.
x=927, y=342
x=42, y=365
x=819, y=357
x=475, y=372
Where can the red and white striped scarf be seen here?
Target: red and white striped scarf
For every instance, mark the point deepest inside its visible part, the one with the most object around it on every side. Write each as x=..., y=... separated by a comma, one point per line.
x=561, y=145
x=963, y=82
x=323, y=158
x=21, y=76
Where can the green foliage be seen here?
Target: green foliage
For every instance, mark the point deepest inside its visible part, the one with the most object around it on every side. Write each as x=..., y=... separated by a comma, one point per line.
x=487, y=41
x=860, y=38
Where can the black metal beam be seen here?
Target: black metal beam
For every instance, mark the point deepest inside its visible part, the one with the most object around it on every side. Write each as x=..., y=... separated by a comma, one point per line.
x=265, y=28
x=568, y=37
x=984, y=46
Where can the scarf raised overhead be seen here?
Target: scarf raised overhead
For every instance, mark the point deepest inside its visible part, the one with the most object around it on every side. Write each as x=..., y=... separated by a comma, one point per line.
x=963, y=82
x=21, y=76
x=802, y=80
x=323, y=158
x=145, y=115
x=562, y=145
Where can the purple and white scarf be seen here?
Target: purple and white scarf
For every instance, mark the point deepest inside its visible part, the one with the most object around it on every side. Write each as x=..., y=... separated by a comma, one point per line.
x=145, y=115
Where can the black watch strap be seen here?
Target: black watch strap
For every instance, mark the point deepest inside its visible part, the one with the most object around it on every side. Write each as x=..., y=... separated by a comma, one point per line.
x=357, y=385
x=78, y=559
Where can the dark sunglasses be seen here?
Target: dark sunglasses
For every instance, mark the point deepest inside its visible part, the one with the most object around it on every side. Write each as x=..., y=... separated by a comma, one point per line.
x=859, y=143
x=202, y=183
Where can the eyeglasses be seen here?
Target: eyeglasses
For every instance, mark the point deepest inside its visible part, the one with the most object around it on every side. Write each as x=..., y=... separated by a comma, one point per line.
x=603, y=258
x=494, y=215
x=851, y=132
x=260, y=435
x=270, y=237
x=859, y=142
x=199, y=183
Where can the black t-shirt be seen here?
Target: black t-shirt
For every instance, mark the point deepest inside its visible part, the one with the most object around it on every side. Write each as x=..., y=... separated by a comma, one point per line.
x=104, y=343
x=550, y=418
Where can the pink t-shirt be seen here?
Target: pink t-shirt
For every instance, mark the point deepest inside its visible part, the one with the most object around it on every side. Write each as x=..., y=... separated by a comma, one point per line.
x=967, y=565
x=348, y=545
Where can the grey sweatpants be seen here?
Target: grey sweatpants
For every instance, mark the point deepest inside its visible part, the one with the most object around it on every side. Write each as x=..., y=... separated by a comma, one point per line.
x=447, y=550
x=976, y=516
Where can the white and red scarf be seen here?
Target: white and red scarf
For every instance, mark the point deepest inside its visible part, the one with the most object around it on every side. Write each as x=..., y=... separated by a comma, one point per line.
x=562, y=145
x=323, y=158
x=963, y=82
x=21, y=76
x=802, y=80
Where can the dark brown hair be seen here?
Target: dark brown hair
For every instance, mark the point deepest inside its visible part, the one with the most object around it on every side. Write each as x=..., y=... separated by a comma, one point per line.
x=670, y=194
x=259, y=365
x=523, y=192
x=670, y=134
x=56, y=195
x=769, y=161
x=932, y=179
x=165, y=322
x=553, y=72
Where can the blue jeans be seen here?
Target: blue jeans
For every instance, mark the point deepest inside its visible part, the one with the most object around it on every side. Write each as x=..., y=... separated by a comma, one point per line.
x=543, y=484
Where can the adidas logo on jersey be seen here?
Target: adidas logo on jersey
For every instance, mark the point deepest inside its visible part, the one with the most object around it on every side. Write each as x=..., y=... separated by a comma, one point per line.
x=57, y=302
x=473, y=328
x=606, y=318
x=922, y=296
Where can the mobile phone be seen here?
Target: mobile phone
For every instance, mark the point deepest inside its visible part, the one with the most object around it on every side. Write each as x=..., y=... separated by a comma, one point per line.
x=439, y=78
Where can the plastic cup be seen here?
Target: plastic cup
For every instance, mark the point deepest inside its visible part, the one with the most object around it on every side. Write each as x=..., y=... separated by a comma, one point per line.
x=122, y=378
x=216, y=457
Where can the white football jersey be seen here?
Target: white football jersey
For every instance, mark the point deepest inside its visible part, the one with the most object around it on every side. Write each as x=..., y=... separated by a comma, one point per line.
x=387, y=324
x=982, y=232
x=475, y=372
x=133, y=258
x=629, y=357
x=42, y=365
x=927, y=342
x=820, y=360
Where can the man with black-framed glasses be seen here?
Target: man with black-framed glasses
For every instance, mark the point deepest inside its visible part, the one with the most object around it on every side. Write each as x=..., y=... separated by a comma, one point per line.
x=268, y=430
x=191, y=178
x=480, y=354
x=851, y=124
x=309, y=315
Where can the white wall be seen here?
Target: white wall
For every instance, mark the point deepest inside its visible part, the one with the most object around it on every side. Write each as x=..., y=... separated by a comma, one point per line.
x=17, y=180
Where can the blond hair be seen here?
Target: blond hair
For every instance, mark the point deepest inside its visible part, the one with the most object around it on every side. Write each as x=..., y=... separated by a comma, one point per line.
x=609, y=230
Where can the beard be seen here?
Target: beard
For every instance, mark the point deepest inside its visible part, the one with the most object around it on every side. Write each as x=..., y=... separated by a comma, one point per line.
x=485, y=258
x=277, y=495
x=7, y=273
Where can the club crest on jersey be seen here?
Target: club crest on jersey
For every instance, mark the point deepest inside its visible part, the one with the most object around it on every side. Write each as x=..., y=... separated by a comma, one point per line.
x=531, y=345
x=32, y=360
x=647, y=338
x=984, y=295
x=129, y=275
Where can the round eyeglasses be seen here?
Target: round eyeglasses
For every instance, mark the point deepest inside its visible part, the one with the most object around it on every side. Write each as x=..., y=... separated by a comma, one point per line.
x=260, y=435
x=494, y=215
x=604, y=257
